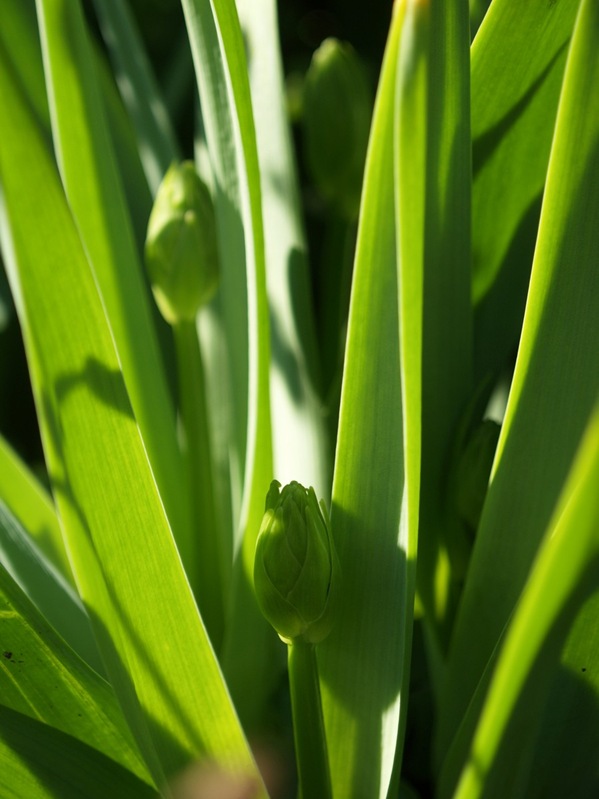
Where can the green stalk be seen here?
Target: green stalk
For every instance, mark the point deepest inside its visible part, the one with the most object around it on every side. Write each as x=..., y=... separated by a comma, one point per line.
x=203, y=554
x=308, y=723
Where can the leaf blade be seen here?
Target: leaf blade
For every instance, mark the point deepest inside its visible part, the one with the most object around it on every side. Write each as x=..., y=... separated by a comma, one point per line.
x=137, y=596
x=552, y=393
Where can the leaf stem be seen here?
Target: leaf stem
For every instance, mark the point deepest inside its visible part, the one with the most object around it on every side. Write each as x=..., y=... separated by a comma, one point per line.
x=308, y=722
x=202, y=556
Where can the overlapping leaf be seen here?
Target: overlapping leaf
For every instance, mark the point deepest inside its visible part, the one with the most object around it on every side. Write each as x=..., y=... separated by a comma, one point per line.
x=124, y=558
x=555, y=383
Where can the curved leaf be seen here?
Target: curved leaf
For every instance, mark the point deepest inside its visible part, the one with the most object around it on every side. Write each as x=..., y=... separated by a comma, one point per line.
x=555, y=381
x=127, y=568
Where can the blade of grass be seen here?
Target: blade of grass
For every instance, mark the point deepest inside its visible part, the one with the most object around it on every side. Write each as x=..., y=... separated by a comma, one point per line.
x=555, y=382
x=221, y=72
x=95, y=195
x=124, y=558
x=364, y=662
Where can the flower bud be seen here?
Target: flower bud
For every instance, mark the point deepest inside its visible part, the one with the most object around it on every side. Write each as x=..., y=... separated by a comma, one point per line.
x=472, y=472
x=296, y=570
x=337, y=109
x=181, y=249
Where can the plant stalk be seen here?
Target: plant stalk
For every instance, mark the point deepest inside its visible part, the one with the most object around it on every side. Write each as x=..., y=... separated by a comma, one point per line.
x=202, y=556
x=308, y=723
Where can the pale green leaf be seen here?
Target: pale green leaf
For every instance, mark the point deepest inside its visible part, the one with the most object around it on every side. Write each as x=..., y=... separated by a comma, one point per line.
x=221, y=71
x=299, y=435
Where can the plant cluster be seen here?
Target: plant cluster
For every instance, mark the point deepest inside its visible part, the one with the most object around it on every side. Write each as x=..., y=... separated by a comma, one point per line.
x=407, y=325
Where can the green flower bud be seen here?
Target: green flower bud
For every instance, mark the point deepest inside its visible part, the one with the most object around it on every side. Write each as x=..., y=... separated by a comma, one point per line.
x=181, y=249
x=337, y=110
x=296, y=570
x=472, y=472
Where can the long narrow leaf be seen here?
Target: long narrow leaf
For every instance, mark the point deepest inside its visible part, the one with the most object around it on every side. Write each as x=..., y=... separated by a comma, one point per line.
x=125, y=561
x=31, y=504
x=95, y=195
x=555, y=382
x=433, y=207
x=138, y=88
x=43, y=678
x=45, y=586
x=299, y=435
x=518, y=60
x=39, y=762
x=364, y=662
x=221, y=70
x=570, y=545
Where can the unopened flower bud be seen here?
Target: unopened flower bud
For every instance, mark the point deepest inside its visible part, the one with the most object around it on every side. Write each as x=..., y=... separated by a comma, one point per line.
x=296, y=570
x=337, y=110
x=181, y=248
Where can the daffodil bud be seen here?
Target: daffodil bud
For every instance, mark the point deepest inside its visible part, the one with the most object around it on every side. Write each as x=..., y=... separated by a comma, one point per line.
x=296, y=570
x=337, y=110
x=181, y=249
x=472, y=472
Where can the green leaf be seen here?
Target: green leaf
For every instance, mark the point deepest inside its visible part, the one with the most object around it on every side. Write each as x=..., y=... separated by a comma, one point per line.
x=20, y=38
x=93, y=186
x=221, y=71
x=433, y=222
x=40, y=762
x=28, y=500
x=520, y=51
x=555, y=383
x=127, y=568
x=157, y=143
x=41, y=677
x=299, y=435
x=364, y=662
x=53, y=596
x=571, y=543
